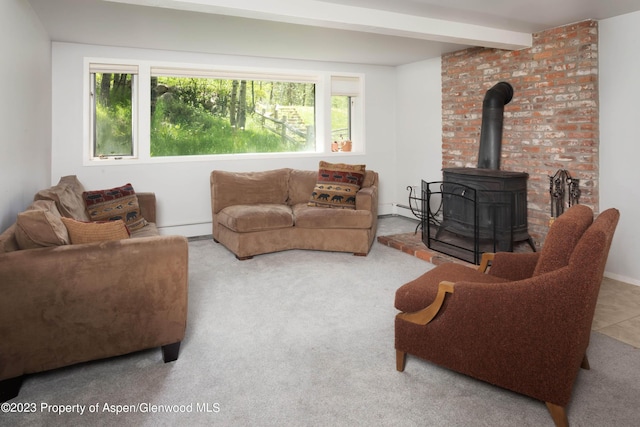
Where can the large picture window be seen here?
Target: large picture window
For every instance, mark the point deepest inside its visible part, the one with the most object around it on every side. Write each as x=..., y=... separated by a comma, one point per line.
x=198, y=116
x=141, y=111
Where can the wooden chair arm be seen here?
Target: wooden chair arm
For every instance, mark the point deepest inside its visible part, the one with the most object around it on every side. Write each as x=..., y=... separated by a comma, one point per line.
x=427, y=314
x=485, y=261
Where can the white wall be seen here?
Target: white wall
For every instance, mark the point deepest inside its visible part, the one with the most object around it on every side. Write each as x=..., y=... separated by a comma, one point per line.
x=25, y=110
x=620, y=139
x=402, y=126
x=419, y=133
x=182, y=188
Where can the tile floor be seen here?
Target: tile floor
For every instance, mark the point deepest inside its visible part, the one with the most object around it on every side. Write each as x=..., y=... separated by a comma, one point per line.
x=617, y=311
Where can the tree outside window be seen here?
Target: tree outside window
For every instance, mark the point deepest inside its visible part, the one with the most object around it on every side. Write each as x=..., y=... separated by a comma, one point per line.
x=200, y=116
x=113, y=114
x=199, y=112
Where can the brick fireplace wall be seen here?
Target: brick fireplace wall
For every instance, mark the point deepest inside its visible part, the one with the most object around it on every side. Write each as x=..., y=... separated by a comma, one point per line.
x=551, y=123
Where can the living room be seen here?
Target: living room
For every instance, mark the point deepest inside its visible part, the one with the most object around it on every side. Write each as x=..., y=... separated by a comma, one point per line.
x=43, y=112
x=393, y=119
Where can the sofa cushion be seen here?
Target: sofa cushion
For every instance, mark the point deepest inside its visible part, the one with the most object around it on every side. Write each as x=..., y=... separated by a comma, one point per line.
x=337, y=185
x=370, y=179
x=40, y=226
x=420, y=292
x=232, y=188
x=314, y=217
x=90, y=232
x=67, y=195
x=301, y=183
x=149, y=230
x=258, y=217
x=114, y=204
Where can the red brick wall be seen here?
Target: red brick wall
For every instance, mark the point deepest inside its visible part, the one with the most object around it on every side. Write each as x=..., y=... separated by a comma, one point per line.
x=551, y=123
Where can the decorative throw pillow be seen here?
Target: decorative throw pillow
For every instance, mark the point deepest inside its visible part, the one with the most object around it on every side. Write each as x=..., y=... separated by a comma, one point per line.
x=337, y=185
x=89, y=232
x=114, y=204
x=67, y=195
x=8, y=241
x=40, y=226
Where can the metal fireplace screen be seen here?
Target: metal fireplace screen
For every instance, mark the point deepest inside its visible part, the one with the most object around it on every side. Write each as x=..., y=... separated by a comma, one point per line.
x=465, y=222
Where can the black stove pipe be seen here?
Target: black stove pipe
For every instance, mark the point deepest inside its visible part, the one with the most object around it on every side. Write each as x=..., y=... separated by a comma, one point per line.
x=491, y=131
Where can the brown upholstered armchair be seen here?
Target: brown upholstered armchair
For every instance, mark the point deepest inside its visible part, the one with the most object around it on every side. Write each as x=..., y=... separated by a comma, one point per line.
x=525, y=325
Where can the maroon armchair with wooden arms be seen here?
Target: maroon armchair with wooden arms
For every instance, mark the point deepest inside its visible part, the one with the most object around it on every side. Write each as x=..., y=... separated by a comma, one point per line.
x=525, y=325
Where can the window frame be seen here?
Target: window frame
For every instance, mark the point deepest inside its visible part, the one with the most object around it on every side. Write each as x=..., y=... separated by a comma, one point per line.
x=141, y=104
x=118, y=67
x=351, y=85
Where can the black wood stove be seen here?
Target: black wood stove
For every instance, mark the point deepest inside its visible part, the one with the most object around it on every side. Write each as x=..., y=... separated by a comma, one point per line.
x=484, y=204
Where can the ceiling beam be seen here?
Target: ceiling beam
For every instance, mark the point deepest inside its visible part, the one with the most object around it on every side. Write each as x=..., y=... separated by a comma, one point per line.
x=332, y=15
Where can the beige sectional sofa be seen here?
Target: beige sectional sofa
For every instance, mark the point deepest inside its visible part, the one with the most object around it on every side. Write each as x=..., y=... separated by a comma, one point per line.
x=261, y=212
x=65, y=303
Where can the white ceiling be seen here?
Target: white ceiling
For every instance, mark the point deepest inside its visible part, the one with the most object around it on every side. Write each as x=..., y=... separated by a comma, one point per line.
x=383, y=32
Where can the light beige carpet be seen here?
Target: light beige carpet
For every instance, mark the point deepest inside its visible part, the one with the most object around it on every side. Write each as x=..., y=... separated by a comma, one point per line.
x=303, y=338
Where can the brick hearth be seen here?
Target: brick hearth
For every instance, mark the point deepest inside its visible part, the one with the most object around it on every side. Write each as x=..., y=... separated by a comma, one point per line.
x=411, y=243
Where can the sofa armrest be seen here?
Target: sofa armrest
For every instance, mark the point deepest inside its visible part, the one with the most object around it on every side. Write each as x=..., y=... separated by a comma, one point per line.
x=426, y=315
x=69, y=304
x=147, y=202
x=367, y=199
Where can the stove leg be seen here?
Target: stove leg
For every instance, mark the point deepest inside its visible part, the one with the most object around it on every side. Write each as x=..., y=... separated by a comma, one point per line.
x=530, y=241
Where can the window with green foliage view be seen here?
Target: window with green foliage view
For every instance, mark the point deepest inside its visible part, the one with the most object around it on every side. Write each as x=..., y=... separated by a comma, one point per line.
x=341, y=118
x=201, y=116
x=144, y=112
x=113, y=114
